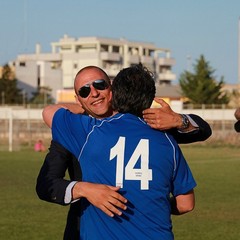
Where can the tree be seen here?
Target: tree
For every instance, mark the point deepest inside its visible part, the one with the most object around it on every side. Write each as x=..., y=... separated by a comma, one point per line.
x=201, y=87
x=42, y=96
x=10, y=93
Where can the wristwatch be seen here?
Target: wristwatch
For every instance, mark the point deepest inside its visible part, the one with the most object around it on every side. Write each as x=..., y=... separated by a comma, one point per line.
x=185, y=122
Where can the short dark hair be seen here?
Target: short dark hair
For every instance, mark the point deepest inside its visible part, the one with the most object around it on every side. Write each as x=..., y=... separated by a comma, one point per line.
x=133, y=90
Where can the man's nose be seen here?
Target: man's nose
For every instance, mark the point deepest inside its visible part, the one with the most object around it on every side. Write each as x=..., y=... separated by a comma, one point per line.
x=94, y=91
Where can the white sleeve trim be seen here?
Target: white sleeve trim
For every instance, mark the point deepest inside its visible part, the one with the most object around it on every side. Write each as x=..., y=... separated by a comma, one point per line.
x=68, y=193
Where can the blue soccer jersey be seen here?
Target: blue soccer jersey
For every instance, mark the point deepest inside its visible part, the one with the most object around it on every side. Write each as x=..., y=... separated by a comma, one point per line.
x=124, y=151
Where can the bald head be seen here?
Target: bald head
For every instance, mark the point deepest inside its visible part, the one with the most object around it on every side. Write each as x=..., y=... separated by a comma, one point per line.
x=97, y=102
x=90, y=73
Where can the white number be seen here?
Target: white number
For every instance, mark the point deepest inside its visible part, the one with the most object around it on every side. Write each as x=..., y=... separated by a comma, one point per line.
x=118, y=150
x=141, y=152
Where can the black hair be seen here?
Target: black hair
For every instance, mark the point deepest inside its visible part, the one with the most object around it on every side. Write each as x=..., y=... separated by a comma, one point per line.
x=133, y=90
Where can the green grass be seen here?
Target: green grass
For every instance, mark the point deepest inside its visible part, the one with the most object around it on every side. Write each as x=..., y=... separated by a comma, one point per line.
x=22, y=214
x=217, y=211
x=216, y=214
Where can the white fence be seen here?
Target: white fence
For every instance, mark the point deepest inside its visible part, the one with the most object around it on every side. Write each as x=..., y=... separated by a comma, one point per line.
x=23, y=126
x=36, y=114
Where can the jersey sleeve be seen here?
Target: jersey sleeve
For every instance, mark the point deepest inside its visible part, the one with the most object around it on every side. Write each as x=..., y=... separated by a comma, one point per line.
x=183, y=180
x=70, y=130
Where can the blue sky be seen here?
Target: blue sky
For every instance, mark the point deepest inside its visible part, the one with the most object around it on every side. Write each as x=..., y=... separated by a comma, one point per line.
x=188, y=27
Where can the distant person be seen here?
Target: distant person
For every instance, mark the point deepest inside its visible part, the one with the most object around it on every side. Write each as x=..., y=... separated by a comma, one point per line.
x=39, y=146
x=237, y=116
x=123, y=151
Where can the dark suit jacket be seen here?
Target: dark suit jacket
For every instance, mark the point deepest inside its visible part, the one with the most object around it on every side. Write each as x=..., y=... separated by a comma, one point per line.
x=51, y=184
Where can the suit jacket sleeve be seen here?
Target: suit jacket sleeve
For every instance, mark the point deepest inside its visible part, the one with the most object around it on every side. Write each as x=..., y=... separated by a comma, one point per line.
x=201, y=134
x=51, y=185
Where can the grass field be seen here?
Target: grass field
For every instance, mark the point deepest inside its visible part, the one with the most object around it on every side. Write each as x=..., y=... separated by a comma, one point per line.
x=216, y=215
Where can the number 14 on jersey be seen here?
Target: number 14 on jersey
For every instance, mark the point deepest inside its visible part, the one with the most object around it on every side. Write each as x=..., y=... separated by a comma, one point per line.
x=141, y=153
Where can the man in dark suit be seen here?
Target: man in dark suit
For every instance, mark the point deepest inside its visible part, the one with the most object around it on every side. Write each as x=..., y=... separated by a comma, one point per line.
x=51, y=185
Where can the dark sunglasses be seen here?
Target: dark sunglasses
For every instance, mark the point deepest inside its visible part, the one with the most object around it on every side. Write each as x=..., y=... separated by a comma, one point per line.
x=97, y=84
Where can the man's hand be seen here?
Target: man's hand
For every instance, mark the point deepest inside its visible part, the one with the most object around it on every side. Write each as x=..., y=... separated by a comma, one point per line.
x=104, y=197
x=162, y=118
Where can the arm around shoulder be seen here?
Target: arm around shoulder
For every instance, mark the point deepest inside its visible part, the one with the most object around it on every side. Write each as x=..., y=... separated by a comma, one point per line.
x=204, y=129
x=50, y=110
x=48, y=113
x=201, y=133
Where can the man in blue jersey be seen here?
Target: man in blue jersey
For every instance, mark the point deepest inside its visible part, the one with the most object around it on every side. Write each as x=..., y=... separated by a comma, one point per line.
x=124, y=151
x=52, y=186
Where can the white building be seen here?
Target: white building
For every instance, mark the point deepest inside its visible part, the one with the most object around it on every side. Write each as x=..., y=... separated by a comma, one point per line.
x=57, y=69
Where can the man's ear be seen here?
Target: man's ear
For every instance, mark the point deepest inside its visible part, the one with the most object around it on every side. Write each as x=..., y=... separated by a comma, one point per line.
x=77, y=101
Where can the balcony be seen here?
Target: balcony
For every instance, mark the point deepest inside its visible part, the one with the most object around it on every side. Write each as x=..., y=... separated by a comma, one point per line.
x=146, y=60
x=166, y=61
x=110, y=56
x=168, y=76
